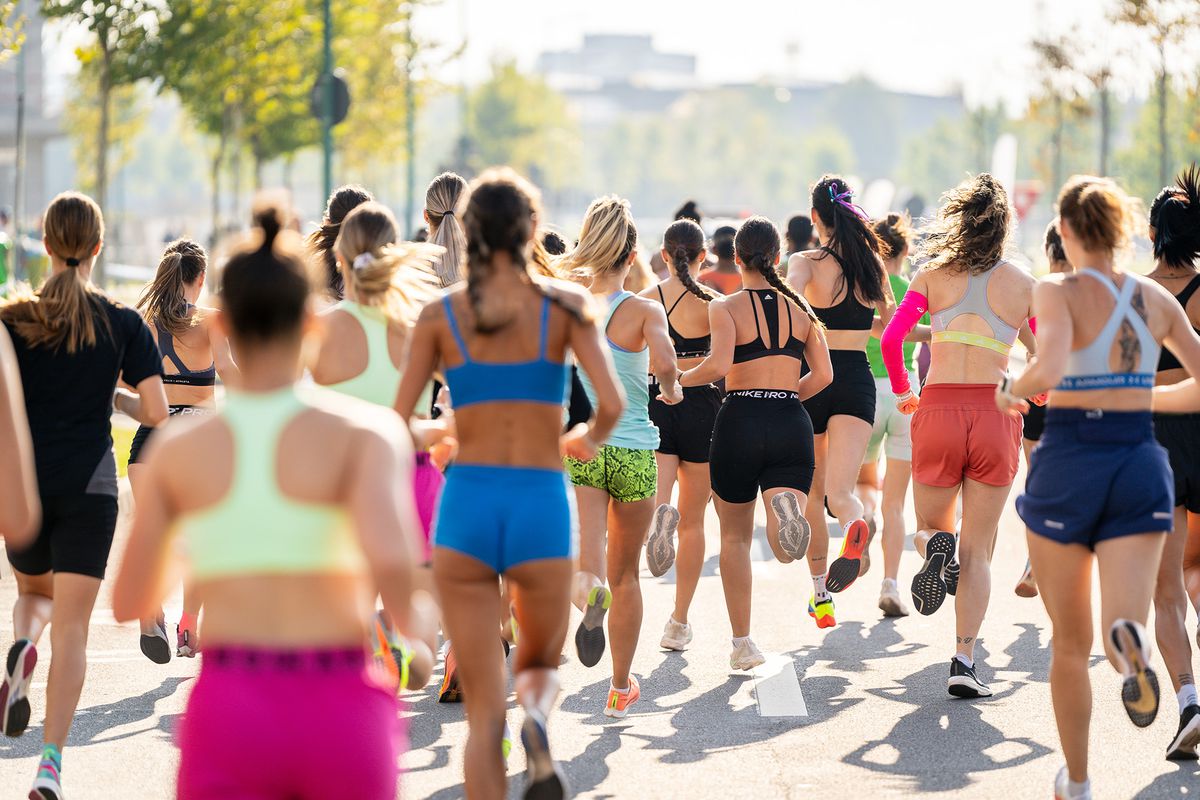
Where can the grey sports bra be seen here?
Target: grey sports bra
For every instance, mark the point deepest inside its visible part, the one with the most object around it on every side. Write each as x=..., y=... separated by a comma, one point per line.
x=975, y=302
x=1087, y=368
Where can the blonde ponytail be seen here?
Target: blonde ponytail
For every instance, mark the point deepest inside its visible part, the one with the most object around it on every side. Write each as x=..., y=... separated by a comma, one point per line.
x=398, y=279
x=607, y=238
x=441, y=204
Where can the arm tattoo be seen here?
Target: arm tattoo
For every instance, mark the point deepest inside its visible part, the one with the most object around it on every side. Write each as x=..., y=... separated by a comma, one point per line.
x=1139, y=305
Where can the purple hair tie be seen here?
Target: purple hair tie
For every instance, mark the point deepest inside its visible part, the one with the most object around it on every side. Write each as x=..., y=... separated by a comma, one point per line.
x=844, y=198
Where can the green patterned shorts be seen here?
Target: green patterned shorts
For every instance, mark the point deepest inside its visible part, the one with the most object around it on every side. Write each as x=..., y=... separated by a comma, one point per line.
x=627, y=475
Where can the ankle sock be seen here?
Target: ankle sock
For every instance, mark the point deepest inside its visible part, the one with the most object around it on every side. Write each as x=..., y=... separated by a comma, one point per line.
x=1187, y=696
x=969, y=663
x=890, y=583
x=1078, y=789
x=819, y=590
x=738, y=641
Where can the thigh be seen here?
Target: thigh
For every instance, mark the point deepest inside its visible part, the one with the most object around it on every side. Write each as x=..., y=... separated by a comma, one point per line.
x=896, y=480
x=694, y=491
x=936, y=505
x=737, y=521
x=735, y=459
x=668, y=470
x=543, y=604
x=627, y=527
x=632, y=474
x=847, y=442
x=35, y=560
x=1128, y=572
x=791, y=460
x=939, y=438
x=83, y=534
x=1064, y=583
x=982, y=507
x=470, y=594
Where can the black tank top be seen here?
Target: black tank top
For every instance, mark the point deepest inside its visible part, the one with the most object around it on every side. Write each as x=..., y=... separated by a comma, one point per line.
x=1167, y=359
x=768, y=299
x=694, y=347
x=848, y=315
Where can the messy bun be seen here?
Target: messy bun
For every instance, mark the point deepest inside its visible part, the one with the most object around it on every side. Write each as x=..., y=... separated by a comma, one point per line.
x=1098, y=211
x=895, y=234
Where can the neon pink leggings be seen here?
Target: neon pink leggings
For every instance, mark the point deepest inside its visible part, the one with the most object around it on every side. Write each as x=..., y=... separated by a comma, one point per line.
x=288, y=725
x=427, y=489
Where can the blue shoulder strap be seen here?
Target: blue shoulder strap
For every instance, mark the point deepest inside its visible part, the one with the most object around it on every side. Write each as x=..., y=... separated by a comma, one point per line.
x=458, y=339
x=545, y=335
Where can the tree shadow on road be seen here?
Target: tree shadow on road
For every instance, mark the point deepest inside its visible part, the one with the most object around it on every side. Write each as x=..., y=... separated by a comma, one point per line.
x=942, y=731
x=846, y=649
x=1182, y=782
x=92, y=723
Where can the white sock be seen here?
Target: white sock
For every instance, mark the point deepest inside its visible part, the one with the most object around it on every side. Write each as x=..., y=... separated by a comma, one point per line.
x=890, y=583
x=1187, y=697
x=738, y=641
x=1079, y=789
x=819, y=587
x=969, y=663
x=620, y=691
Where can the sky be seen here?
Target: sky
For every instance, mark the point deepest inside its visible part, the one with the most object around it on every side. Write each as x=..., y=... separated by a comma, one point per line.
x=925, y=46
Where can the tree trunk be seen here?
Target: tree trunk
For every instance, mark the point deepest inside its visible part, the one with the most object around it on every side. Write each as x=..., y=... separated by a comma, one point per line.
x=102, y=149
x=215, y=177
x=1057, y=143
x=258, y=171
x=1164, y=155
x=1105, y=127
x=289, y=161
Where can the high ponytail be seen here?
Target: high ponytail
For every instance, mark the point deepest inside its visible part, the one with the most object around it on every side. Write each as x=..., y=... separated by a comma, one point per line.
x=67, y=311
x=320, y=242
x=757, y=244
x=1175, y=217
x=441, y=200
x=684, y=241
x=606, y=239
x=396, y=278
x=163, y=301
x=850, y=237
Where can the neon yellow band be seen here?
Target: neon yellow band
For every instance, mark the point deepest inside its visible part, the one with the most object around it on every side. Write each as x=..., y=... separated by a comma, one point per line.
x=973, y=340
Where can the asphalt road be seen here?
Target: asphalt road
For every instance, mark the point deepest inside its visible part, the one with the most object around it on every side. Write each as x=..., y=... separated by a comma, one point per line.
x=864, y=708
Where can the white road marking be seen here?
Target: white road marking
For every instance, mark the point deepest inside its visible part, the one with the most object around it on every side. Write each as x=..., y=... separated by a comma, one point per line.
x=778, y=689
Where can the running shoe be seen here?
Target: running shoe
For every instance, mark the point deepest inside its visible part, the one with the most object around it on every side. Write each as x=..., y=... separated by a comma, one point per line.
x=964, y=682
x=872, y=528
x=676, y=635
x=388, y=651
x=1183, y=746
x=155, y=645
x=1139, y=690
x=1027, y=586
x=543, y=777
x=186, y=644
x=889, y=600
x=950, y=576
x=846, y=567
x=450, y=691
x=929, y=585
x=14, y=691
x=619, y=701
x=746, y=656
x=660, y=547
x=822, y=611
x=47, y=785
x=589, y=636
x=794, y=532
x=1062, y=788
x=506, y=742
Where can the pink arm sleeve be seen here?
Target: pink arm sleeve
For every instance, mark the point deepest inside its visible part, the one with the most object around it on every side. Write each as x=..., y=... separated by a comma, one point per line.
x=1033, y=325
x=891, y=344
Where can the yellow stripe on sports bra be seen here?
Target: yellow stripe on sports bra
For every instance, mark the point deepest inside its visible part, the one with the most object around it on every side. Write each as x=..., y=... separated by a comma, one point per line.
x=972, y=339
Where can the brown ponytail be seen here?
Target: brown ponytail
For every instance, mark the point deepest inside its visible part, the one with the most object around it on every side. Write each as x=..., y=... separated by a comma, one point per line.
x=757, y=245
x=684, y=241
x=67, y=309
x=163, y=302
x=320, y=242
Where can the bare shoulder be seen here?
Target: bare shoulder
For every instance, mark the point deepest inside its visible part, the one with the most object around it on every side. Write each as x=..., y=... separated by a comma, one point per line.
x=571, y=295
x=337, y=415
x=174, y=446
x=434, y=311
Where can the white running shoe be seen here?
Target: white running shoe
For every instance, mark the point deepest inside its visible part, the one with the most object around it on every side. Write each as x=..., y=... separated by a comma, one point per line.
x=676, y=635
x=1062, y=788
x=794, y=532
x=746, y=656
x=890, y=602
x=660, y=547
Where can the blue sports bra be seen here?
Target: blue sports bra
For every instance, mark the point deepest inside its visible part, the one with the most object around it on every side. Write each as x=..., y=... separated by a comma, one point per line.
x=538, y=381
x=1087, y=368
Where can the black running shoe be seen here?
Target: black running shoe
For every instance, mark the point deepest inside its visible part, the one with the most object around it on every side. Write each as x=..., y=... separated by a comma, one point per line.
x=929, y=585
x=1139, y=690
x=156, y=646
x=543, y=777
x=950, y=576
x=589, y=636
x=964, y=682
x=14, y=690
x=1183, y=746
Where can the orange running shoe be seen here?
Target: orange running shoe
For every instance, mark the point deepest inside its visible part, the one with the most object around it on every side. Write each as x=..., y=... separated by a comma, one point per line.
x=450, y=691
x=619, y=702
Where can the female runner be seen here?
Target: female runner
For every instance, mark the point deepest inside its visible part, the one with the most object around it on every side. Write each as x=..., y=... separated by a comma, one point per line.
x=685, y=430
x=502, y=339
x=320, y=242
x=72, y=344
x=845, y=283
x=361, y=355
x=961, y=443
x=615, y=488
x=285, y=501
x=184, y=333
x=1175, y=232
x=763, y=437
x=1100, y=486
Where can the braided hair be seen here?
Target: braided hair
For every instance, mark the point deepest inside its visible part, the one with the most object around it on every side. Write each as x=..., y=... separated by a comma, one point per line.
x=1175, y=217
x=757, y=244
x=684, y=241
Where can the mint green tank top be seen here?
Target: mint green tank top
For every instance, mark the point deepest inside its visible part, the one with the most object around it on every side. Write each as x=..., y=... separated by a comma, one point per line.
x=255, y=529
x=634, y=430
x=378, y=382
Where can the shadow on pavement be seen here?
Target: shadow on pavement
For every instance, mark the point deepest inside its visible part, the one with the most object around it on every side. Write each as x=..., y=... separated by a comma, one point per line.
x=1180, y=783
x=93, y=722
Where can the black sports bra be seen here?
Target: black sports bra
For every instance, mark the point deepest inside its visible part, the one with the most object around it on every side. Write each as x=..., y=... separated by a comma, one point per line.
x=185, y=376
x=685, y=347
x=1167, y=359
x=768, y=299
x=848, y=315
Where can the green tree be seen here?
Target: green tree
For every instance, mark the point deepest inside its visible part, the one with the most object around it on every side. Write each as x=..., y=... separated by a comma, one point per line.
x=936, y=159
x=1136, y=166
x=118, y=29
x=12, y=29
x=82, y=112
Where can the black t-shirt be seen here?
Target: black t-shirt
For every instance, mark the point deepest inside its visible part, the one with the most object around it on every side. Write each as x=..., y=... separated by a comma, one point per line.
x=68, y=398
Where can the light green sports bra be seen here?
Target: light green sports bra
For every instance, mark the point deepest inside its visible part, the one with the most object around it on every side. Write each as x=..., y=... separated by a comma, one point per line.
x=255, y=529
x=377, y=384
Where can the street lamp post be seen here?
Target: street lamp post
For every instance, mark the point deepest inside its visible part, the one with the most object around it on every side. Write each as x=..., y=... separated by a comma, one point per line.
x=327, y=110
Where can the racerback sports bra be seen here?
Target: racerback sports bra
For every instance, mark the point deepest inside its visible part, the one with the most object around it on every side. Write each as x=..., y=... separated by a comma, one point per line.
x=380, y=379
x=1087, y=368
x=685, y=347
x=757, y=347
x=184, y=376
x=849, y=314
x=538, y=381
x=1167, y=359
x=975, y=302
